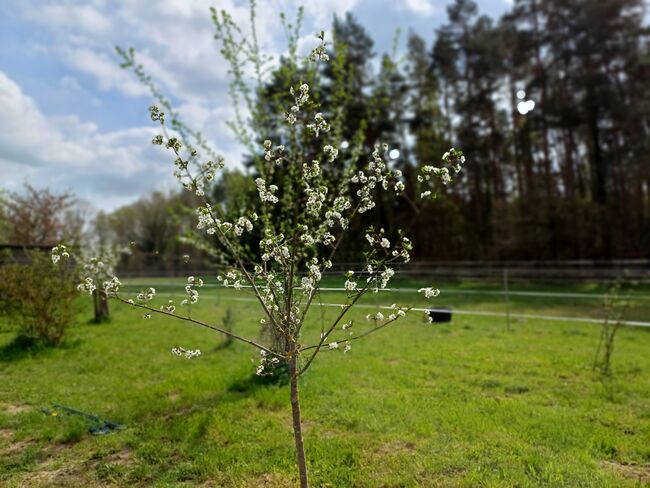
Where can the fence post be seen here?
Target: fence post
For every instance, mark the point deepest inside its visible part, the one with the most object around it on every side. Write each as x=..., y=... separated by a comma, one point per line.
x=506, y=297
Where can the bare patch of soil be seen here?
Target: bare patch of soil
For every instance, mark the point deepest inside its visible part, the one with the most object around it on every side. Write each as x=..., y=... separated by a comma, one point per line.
x=74, y=474
x=173, y=397
x=395, y=447
x=637, y=472
x=123, y=457
x=273, y=480
x=63, y=477
x=15, y=448
x=12, y=409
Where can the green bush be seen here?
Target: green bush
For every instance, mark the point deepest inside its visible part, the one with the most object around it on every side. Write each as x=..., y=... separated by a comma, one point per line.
x=39, y=297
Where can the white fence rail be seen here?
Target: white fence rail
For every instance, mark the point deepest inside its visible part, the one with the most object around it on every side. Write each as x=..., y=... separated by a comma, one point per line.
x=517, y=271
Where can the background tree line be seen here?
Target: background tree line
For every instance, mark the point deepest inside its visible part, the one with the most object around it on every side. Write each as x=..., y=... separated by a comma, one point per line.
x=569, y=179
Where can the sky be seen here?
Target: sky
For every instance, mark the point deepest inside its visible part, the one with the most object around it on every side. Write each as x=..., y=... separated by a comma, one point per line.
x=72, y=120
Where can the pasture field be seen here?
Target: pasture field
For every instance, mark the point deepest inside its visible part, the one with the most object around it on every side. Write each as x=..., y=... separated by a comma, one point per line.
x=415, y=405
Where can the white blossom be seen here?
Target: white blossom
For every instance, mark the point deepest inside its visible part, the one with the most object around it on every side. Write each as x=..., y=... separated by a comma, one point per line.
x=319, y=125
x=266, y=194
x=350, y=285
x=87, y=285
x=330, y=152
x=429, y=292
x=319, y=53
x=187, y=353
x=59, y=252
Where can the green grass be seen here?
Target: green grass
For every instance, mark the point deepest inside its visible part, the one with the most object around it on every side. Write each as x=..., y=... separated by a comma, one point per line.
x=464, y=404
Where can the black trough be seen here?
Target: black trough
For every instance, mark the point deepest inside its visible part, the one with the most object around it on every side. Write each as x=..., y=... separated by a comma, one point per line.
x=439, y=315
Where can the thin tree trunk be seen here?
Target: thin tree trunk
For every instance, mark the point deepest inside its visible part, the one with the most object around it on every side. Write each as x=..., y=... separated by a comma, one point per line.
x=103, y=305
x=297, y=426
x=96, y=304
x=100, y=302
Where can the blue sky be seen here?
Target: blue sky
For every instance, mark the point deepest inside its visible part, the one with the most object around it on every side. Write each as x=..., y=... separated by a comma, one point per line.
x=73, y=120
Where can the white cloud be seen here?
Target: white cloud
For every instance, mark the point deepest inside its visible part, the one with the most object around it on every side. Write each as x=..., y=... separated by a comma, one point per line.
x=70, y=83
x=175, y=42
x=24, y=129
x=320, y=12
x=108, y=74
x=174, y=39
x=422, y=7
x=81, y=17
x=65, y=153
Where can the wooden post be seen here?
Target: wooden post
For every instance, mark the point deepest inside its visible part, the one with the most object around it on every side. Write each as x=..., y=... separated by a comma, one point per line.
x=506, y=298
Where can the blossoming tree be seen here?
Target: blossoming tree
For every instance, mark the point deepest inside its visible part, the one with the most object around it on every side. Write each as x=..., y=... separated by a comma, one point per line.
x=308, y=196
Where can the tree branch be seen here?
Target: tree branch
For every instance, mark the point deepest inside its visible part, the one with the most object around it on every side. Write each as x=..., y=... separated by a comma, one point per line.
x=199, y=322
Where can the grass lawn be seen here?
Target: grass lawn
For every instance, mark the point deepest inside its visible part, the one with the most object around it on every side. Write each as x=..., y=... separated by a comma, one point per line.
x=464, y=404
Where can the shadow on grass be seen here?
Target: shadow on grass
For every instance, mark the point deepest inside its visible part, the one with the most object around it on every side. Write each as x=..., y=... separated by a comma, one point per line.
x=246, y=386
x=22, y=347
x=100, y=321
x=240, y=389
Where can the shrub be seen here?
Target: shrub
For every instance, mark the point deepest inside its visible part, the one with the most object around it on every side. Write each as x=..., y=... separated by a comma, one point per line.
x=38, y=297
x=615, y=306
